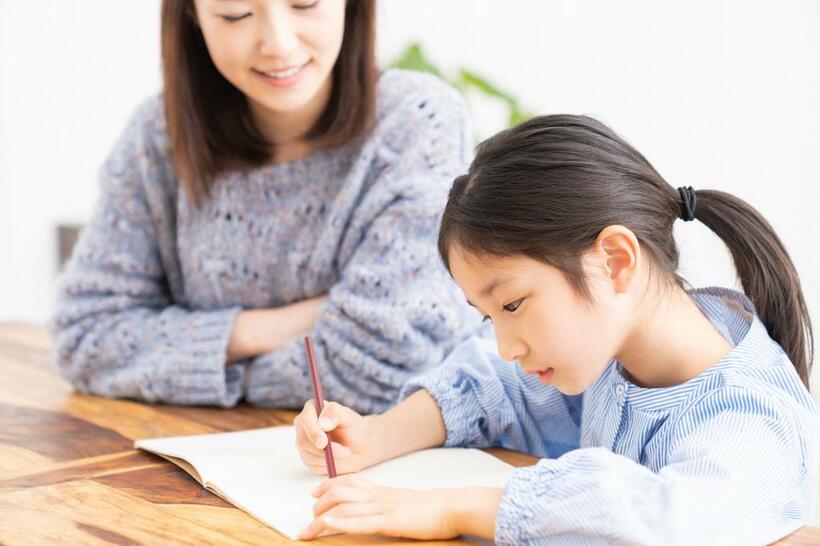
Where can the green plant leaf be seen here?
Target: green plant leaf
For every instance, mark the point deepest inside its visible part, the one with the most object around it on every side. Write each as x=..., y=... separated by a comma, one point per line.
x=414, y=58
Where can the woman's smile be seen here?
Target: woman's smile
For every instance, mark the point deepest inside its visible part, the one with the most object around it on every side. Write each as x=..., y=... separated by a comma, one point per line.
x=285, y=77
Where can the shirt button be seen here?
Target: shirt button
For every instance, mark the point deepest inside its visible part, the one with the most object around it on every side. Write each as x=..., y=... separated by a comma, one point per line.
x=619, y=390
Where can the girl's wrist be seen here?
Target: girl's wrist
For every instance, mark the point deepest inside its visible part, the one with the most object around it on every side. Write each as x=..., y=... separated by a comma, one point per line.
x=472, y=510
x=381, y=440
x=414, y=423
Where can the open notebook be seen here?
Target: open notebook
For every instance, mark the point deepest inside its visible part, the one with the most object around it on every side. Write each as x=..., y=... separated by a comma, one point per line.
x=260, y=472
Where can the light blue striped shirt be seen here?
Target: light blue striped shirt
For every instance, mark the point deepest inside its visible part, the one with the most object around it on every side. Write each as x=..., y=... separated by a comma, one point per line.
x=725, y=458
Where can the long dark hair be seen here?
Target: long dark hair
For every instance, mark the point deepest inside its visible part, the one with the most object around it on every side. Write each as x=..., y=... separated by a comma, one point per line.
x=546, y=188
x=210, y=126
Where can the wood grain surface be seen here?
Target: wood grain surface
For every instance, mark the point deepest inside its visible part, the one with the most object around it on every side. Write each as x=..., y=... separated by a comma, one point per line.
x=69, y=473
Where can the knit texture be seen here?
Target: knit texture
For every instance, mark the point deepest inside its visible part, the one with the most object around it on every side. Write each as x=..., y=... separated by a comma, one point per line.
x=147, y=303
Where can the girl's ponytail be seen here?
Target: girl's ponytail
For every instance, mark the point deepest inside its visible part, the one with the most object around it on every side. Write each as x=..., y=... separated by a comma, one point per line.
x=765, y=270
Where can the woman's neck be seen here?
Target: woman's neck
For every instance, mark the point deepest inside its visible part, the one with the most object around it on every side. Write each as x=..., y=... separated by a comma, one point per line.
x=288, y=131
x=672, y=342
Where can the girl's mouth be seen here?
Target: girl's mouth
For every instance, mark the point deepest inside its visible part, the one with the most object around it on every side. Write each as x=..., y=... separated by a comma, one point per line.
x=544, y=376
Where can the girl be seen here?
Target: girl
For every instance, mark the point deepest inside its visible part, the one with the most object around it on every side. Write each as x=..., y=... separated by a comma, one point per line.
x=663, y=416
x=279, y=186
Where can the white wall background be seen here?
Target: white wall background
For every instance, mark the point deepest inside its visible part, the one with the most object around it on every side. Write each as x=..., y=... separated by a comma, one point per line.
x=716, y=93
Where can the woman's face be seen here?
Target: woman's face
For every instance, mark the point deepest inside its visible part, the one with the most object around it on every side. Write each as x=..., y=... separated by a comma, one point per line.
x=539, y=318
x=279, y=53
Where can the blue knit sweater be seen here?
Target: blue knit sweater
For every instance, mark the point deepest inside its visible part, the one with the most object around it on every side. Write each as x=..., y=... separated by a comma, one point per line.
x=148, y=300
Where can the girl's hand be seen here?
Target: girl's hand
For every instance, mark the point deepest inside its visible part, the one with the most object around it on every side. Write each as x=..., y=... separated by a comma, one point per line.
x=354, y=444
x=352, y=504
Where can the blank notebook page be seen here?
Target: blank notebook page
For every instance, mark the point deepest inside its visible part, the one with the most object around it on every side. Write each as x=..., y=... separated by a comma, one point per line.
x=260, y=471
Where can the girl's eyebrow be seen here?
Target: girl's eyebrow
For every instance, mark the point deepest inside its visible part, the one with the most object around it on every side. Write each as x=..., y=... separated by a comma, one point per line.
x=493, y=284
x=471, y=304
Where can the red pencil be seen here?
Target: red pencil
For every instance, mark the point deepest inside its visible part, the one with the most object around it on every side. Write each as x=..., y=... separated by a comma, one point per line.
x=317, y=396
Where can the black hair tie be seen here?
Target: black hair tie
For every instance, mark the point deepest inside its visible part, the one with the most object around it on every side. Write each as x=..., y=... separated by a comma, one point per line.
x=688, y=202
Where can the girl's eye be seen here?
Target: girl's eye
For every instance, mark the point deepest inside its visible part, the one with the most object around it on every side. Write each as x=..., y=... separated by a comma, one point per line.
x=511, y=307
x=306, y=6
x=235, y=18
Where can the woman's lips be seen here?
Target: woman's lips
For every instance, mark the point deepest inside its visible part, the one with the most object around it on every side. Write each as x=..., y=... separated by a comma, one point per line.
x=282, y=78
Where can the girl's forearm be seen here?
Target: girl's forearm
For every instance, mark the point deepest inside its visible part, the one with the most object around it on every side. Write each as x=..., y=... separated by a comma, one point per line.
x=414, y=424
x=259, y=331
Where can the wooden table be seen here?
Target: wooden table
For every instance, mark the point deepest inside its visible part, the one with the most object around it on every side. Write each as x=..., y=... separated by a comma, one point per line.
x=69, y=473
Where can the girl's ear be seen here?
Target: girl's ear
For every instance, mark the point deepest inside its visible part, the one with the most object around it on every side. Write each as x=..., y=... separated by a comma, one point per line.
x=621, y=254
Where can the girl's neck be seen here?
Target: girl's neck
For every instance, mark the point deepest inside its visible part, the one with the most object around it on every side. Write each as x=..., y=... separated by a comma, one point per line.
x=287, y=131
x=672, y=342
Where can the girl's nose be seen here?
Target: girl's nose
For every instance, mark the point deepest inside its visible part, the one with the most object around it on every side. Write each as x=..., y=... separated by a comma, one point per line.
x=510, y=347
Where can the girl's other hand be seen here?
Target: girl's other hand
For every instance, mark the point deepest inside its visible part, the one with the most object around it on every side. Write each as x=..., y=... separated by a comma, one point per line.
x=352, y=504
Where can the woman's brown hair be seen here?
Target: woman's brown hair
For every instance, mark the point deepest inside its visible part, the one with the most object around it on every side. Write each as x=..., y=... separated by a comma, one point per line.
x=546, y=188
x=210, y=126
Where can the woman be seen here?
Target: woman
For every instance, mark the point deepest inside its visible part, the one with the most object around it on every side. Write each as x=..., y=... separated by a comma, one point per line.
x=279, y=186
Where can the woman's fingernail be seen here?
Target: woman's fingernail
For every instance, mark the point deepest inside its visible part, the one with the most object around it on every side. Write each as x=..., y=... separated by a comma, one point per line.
x=341, y=451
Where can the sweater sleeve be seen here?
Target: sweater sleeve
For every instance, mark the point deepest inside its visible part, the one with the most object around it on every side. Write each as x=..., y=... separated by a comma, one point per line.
x=733, y=476
x=394, y=311
x=485, y=401
x=117, y=331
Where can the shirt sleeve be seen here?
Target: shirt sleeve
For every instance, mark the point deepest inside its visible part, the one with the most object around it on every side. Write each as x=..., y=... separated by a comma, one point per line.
x=394, y=312
x=733, y=476
x=485, y=401
x=116, y=330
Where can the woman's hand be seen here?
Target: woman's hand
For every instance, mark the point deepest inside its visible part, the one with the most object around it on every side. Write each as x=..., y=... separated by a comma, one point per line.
x=352, y=504
x=355, y=445
x=260, y=331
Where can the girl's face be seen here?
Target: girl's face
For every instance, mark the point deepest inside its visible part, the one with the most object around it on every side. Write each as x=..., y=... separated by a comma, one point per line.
x=539, y=318
x=279, y=53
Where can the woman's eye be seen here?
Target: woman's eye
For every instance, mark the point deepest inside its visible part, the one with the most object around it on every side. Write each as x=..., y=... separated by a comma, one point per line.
x=235, y=18
x=511, y=307
x=306, y=6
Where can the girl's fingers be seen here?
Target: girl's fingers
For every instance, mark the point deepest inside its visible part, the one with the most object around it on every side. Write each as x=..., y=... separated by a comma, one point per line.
x=316, y=464
x=312, y=455
x=306, y=447
x=307, y=423
x=362, y=524
x=336, y=415
x=339, y=495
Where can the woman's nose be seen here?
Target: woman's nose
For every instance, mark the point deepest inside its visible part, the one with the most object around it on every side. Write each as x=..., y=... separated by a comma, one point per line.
x=278, y=34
